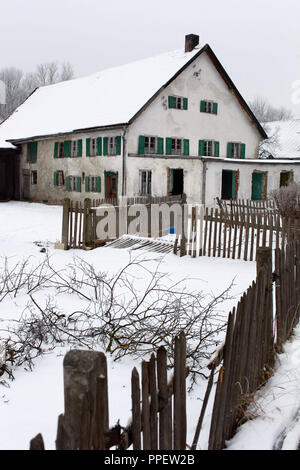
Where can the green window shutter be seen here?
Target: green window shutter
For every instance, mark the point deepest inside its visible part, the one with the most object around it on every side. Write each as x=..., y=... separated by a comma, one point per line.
x=118, y=145
x=243, y=150
x=185, y=103
x=56, y=150
x=79, y=148
x=186, y=147
x=229, y=150
x=202, y=106
x=87, y=147
x=105, y=145
x=201, y=148
x=67, y=148
x=86, y=184
x=215, y=108
x=233, y=184
x=55, y=178
x=78, y=184
x=98, y=184
x=34, y=152
x=68, y=183
x=168, y=146
x=99, y=145
x=216, y=149
x=171, y=179
x=171, y=101
x=141, y=149
x=160, y=145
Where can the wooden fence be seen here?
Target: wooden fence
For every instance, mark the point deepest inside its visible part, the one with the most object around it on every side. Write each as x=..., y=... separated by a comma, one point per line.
x=237, y=234
x=256, y=331
x=158, y=416
x=80, y=219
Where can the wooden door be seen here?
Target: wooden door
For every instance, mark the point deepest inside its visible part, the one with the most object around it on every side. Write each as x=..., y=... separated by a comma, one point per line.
x=257, y=186
x=111, y=185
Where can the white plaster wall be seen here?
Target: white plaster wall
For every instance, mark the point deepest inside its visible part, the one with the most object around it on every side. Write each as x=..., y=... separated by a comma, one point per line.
x=231, y=124
x=46, y=165
x=214, y=177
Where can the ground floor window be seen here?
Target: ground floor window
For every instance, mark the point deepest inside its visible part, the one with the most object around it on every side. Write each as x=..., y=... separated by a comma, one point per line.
x=93, y=184
x=34, y=177
x=73, y=183
x=145, y=182
x=286, y=178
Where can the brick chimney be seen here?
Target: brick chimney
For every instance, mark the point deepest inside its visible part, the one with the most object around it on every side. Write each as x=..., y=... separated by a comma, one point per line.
x=191, y=41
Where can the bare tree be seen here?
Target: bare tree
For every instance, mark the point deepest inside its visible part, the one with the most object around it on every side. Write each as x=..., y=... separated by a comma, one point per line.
x=265, y=112
x=287, y=200
x=19, y=86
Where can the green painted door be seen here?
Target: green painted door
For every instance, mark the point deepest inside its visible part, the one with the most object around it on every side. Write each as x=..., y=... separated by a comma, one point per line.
x=257, y=186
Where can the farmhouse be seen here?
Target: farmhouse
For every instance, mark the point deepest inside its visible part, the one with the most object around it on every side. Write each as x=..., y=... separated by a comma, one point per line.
x=166, y=125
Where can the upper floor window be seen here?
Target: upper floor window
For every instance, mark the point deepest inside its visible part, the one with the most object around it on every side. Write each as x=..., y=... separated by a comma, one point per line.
x=208, y=106
x=112, y=145
x=175, y=146
x=150, y=145
x=31, y=152
x=177, y=102
x=208, y=148
x=236, y=150
x=68, y=148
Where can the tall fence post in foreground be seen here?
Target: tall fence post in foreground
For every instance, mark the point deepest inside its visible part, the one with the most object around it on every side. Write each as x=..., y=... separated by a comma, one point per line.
x=78, y=427
x=88, y=222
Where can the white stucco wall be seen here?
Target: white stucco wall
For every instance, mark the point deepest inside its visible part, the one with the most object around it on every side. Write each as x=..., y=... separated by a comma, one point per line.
x=231, y=124
x=46, y=165
x=270, y=167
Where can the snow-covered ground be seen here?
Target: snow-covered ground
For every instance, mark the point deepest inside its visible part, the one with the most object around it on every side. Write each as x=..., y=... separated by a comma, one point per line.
x=32, y=402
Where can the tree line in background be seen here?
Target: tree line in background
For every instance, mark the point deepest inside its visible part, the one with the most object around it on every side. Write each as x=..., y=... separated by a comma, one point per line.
x=18, y=86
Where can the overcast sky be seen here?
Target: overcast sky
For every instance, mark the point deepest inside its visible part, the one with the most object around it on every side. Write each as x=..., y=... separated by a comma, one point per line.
x=257, y=41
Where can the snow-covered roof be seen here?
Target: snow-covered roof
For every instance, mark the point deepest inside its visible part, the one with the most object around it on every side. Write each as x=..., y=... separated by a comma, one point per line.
x=109, y=97
x=284, y=139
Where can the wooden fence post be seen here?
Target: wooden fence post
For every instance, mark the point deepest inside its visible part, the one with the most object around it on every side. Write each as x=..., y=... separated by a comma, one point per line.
x=78, y=427
x=65, y=224
x=88, y=223
x=263, y=258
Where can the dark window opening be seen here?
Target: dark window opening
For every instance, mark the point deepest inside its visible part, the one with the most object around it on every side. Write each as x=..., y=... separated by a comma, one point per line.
x=228, y=184
x=176, y=182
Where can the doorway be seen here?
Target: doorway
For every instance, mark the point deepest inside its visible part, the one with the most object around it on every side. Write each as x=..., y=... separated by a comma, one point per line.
x=258, y=187
x=26, y=184
x=111, y=185
x=286, y=178
x=229, y=180
x=176, y=182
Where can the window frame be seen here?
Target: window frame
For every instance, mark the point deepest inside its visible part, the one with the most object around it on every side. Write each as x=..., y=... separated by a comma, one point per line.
x=145, y=188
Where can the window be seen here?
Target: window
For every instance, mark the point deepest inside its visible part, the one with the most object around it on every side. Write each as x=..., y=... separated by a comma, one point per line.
x=208, y=148
x=175, y=146
x=60, y=150
x=236, y=150
x=93, y=184
x=31, y=152
x=58, y=178
x=112, y=145
x=93, y=146
x=177, y=102
x=150, y=145
x=208, y=106
x=34, y=177
x=73, y=183
x=145, y=182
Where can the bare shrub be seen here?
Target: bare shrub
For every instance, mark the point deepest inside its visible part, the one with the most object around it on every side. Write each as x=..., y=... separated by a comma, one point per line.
x=117, y=313
x=287, y=200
